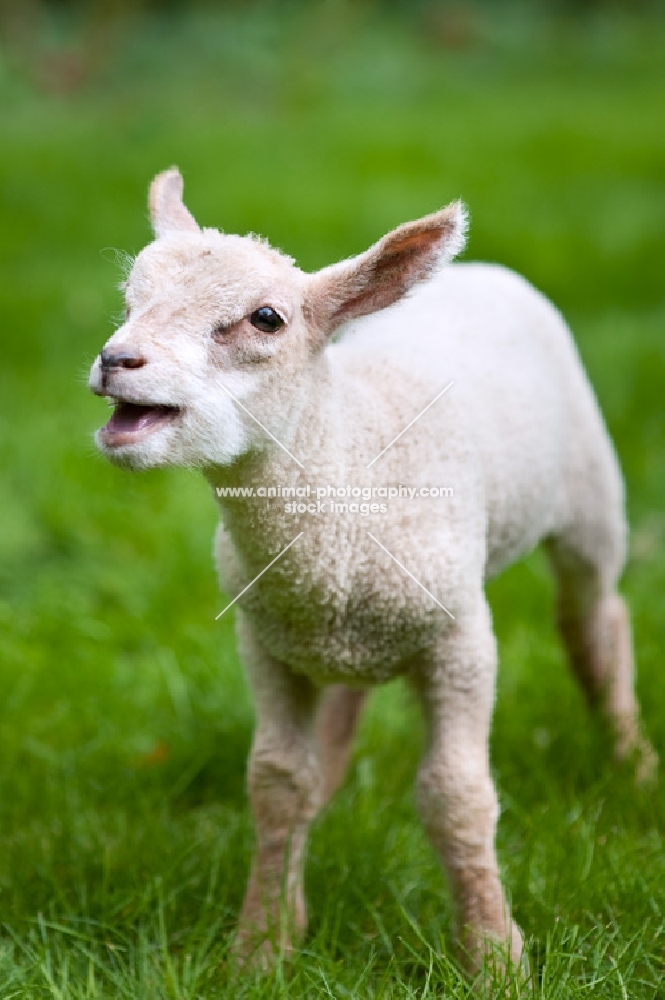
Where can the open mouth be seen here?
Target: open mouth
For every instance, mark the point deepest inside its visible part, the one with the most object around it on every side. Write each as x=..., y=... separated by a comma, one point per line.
x=132, y=421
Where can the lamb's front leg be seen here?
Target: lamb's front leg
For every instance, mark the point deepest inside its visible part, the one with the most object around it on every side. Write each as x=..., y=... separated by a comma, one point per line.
x=285, y=791
x=456, y=794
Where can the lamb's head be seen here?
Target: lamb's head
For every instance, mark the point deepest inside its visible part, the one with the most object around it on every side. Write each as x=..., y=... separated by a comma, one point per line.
x=222, y=333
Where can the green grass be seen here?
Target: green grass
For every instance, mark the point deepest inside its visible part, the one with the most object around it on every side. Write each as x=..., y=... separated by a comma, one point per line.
x=124, y=718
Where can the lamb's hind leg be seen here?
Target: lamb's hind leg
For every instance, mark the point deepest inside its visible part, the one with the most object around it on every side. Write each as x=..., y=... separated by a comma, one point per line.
x=336, y=722
x=595, y=625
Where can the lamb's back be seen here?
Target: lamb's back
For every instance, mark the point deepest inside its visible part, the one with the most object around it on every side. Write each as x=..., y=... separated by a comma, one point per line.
x=521, y=407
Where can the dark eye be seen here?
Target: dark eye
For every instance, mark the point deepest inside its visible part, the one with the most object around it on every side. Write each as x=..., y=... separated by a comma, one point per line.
x=266, y=320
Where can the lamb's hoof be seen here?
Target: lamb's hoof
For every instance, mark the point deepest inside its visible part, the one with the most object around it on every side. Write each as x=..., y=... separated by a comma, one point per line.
x=493, y=961
x=254, y=952
x=646, y=764
x=501, y=977
x=639, y=754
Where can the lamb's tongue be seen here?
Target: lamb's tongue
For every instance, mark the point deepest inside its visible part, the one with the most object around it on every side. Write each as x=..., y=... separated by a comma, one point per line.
x=132, y=417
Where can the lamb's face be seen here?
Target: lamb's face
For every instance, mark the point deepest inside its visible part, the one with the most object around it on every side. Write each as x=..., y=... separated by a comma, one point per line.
x=214, y=328
x=221, y=332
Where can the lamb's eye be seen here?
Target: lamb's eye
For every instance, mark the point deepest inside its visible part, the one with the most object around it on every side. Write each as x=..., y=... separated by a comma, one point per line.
x=266, y=320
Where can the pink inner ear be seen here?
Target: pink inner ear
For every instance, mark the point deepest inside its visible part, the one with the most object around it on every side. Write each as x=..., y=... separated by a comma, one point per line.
x=389, y=271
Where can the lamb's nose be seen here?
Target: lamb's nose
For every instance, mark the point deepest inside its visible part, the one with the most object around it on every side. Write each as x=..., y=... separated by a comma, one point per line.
x=121, y=360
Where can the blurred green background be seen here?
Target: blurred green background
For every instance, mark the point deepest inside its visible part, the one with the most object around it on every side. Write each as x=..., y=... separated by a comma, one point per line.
x=124, y=718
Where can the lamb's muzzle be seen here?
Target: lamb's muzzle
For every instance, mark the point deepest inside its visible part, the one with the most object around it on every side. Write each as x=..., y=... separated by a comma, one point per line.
x=255, y=399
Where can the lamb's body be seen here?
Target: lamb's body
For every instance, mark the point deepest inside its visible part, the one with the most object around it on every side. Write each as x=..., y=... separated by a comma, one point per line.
x=226, y=361
x=518, y=438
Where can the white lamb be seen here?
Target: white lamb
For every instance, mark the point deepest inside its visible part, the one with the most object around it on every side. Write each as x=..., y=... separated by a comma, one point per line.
x=225, y=361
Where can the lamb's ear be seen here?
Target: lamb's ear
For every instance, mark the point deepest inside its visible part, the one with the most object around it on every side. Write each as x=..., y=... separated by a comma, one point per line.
x=167, y=211
x=384, y=273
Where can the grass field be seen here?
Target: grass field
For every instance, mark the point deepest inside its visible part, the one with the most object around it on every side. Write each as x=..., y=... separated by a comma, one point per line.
x=124, y=717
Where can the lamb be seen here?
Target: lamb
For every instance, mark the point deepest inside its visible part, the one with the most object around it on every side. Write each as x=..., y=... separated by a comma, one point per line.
x=394, y=371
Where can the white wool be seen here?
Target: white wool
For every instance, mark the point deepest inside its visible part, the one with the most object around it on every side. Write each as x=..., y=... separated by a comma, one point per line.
x=350, y=391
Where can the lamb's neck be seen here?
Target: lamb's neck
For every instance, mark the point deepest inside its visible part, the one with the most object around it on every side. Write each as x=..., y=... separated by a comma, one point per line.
x=251, y=492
